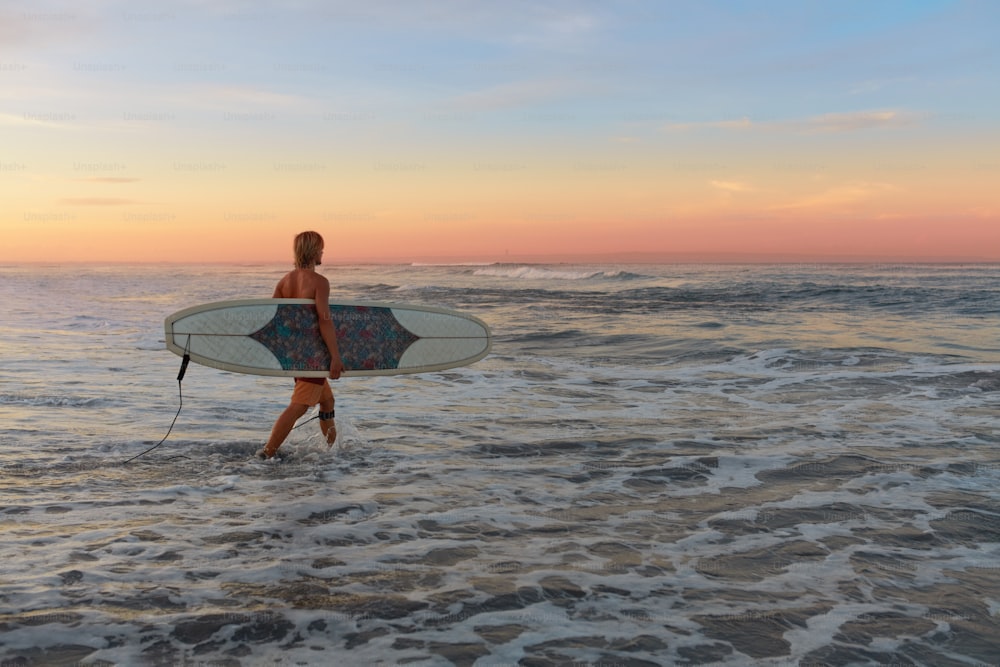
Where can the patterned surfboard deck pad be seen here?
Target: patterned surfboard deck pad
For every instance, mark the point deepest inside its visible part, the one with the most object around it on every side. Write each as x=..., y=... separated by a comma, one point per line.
x=369, y=338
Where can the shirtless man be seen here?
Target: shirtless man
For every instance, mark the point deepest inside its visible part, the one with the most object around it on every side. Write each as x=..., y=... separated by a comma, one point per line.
x=305, y=283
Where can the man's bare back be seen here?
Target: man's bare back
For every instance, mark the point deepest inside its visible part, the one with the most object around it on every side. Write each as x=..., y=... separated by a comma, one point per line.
x=302, y=284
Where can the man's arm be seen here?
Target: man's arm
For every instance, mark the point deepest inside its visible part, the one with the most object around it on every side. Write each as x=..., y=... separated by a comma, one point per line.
x=279, y=289
x=326, y=328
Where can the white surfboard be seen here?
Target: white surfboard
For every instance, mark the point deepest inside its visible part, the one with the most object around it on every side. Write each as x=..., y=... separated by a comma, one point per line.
x=281, y=337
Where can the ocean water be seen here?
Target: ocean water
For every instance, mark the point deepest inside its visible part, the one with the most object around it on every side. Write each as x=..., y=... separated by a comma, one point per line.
x=657, y=465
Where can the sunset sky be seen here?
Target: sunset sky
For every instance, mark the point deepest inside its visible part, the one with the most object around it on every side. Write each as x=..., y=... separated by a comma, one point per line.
x=214, y=130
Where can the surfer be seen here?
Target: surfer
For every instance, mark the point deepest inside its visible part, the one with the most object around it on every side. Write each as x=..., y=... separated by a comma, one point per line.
x=305, y=283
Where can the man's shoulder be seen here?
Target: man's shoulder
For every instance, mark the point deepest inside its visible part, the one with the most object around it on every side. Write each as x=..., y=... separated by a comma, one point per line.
x=315, y=285
x=315, y=279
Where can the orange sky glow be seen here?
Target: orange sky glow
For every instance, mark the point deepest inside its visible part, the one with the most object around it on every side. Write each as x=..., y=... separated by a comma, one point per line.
x=552, y=137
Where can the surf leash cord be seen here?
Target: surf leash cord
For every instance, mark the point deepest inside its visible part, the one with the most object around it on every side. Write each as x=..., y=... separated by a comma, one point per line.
x=180, y=406
x=180, y=399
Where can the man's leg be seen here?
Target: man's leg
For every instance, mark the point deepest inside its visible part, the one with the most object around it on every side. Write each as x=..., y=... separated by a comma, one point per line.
x=283, y=426
x=326, y=420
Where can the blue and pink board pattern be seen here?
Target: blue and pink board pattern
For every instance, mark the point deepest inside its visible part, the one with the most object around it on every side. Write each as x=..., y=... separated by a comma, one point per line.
x=281, y=337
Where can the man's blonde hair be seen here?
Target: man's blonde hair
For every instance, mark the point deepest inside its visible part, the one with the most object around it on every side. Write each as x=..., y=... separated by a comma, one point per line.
x=307, y=247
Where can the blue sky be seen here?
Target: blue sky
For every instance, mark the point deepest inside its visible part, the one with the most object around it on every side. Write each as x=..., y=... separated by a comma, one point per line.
x=689, y=61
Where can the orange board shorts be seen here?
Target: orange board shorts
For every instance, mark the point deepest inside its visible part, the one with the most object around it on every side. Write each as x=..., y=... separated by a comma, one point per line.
x=310, y=393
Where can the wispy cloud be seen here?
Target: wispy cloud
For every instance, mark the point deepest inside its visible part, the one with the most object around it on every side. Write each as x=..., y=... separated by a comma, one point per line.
x=852, y=121
x=49, y=120
x=860, y=120
x=515, y=94
x=241, y=95
x=574, y=24
x=558, y=30
x=108, y=179
x=97, y=201
x=875, y=85
x=228, y=98
x=839, y=195
x=732, y=186
x=743, y=123
x=35, y=24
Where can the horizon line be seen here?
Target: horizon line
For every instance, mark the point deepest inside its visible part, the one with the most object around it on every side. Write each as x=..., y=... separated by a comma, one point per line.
x=636, y=257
